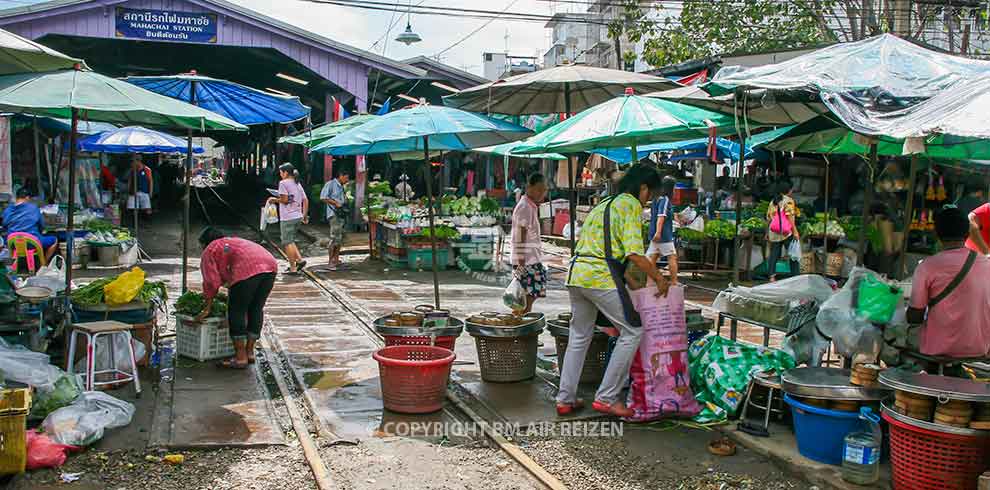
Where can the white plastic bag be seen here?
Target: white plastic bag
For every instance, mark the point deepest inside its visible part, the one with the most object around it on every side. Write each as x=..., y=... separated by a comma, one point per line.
x=269, y=215
x=23, y=366
x=83, y=422
x=54, y=270
x=794, y=250
x=514, y=296
x=102, y=361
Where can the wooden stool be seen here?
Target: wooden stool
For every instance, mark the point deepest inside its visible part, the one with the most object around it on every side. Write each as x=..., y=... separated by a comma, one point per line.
x=93, y=331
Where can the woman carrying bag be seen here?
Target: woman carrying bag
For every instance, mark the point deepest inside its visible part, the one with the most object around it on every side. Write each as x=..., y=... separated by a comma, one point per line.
x=782, y=216
x=611, y=239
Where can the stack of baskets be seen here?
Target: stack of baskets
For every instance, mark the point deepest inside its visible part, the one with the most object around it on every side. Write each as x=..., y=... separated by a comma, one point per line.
x=595, y=361
x=506, y=346
x=14, y=407
x=865, y=375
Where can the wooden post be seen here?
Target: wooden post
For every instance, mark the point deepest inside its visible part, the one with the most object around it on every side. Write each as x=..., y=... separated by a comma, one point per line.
x=908, y=216
x=867, y=204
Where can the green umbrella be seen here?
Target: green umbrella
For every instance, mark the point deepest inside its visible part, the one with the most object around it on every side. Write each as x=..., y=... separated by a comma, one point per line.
x=81, y=94
x=626, y=121
x=20, y=55
x=321, y=133
x=508, y=150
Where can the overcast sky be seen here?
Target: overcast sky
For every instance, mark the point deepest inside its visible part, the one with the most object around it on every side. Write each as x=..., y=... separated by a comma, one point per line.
x=362, y=28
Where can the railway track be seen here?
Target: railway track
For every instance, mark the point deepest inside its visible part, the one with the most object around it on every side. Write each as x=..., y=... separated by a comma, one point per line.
x=458, y=409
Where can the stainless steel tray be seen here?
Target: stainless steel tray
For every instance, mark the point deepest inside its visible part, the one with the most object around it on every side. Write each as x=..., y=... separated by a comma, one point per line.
x=559, y=328
x=535, y=324
x=944, y=388
x=921, y=424
x=827, y=383
x=454, y=328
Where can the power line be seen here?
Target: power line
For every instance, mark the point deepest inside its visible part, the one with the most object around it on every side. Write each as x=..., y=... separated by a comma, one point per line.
x=482, y=26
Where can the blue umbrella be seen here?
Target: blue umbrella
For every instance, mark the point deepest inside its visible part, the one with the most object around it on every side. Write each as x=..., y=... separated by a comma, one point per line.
x=423, y=128
x=243, y=104
x=726, y=149
x=135, y=139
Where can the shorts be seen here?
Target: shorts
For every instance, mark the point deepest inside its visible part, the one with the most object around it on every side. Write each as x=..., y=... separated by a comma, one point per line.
x=47, y=241
x=664, y=249
x=288, y=230
x=533, y=278
x=336, y=230
x=143, y=201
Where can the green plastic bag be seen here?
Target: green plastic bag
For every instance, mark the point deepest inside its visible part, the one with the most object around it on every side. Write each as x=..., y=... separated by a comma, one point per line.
x=876, y=300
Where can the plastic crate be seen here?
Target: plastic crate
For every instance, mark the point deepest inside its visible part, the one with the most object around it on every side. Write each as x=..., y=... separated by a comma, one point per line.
x=423, y=258
x=203, y=341
x=14, y=407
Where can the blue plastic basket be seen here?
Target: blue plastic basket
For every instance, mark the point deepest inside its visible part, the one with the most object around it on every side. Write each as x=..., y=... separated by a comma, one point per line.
x=821, y=432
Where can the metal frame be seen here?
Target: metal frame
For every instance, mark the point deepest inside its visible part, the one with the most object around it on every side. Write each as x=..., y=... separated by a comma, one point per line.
x=90, y=375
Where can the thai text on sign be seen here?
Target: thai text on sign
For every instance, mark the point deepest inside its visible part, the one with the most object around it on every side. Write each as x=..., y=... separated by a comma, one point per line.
x=166, y=25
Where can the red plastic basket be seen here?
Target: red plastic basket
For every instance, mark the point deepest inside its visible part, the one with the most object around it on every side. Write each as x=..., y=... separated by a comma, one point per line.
x=446, y=341
x=414, y=377
x=923, y=459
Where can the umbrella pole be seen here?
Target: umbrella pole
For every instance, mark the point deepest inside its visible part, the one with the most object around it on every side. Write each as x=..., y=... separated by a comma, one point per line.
x=433, y=235
x=70, y=222
x=739, y=186
x=134, y=176
x=185, y=199
x=570, y=175
x=37, y=153
x=867, y=204
x=908, y=217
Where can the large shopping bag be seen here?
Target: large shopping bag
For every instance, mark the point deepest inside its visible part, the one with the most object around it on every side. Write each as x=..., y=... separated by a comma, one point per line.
x=661, y=382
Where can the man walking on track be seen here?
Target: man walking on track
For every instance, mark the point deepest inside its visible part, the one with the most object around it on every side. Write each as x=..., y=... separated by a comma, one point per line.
x=527, y=256
x=335, y=197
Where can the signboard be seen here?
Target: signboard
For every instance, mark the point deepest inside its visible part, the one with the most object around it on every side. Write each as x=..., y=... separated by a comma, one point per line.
x=166, y=25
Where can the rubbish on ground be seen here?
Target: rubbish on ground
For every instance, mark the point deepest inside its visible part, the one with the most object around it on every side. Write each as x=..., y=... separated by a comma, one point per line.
x=174, y=458
x=71, y=477
x=43, y=452
x=722, y=447
x=83, y=422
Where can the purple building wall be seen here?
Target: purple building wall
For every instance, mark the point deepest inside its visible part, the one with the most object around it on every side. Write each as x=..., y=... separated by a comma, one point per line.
x=97, y=19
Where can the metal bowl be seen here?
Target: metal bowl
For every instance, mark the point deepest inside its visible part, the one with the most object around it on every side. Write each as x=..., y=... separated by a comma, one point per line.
x=532, y=323
x=828, y=383
x=454, y=328
x=34, y=294
x=921, y=424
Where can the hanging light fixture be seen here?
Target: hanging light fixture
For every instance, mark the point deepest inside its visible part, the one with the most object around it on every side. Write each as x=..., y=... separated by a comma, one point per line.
x=408, y=37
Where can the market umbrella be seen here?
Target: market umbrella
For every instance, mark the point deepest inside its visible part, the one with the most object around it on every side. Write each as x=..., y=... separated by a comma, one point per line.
x=564, y=89
x=135, y=139
x=240, y=103
x=319, y=134
x=421, y=128
x=21, y=55
x=761, y=107
x=726, y=149
x=626, y=121
x=508, y=150
x=79, y=93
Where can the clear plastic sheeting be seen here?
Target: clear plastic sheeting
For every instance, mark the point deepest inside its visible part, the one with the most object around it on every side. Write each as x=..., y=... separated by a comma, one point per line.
x=853, y=335
x=24, y=366
x=84, y=421
x=771, y=303
x=865, y=83
x=804, y=342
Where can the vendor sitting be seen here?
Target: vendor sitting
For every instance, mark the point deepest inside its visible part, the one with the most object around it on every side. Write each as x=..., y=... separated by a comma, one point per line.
x=24, y=217
x=950, y=294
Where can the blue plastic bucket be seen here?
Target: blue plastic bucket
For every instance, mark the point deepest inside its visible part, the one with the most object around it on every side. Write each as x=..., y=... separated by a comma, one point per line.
x=821, y=432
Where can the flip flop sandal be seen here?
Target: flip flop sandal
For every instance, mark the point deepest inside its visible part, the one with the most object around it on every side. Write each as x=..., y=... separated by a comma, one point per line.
x=231, y=364
x=301, y=265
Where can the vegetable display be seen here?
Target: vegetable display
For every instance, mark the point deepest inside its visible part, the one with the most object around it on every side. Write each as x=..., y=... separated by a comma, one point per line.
x=379, y=188
x=191, y=303
x=441, y=232
x=470, y=206
x=152, y=293
x=754, y=223
x=721, y=229
x=690, y=235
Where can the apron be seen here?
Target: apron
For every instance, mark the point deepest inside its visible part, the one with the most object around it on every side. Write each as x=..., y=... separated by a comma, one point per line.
x=616, y=268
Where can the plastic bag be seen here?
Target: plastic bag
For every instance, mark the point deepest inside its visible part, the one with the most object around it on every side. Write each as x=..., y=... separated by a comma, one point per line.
x=102, y=361
x=794, y=250
x=51, y=276
x=854, y=336
x=84, y=422
x=269, y=215
x=514, y=296
x=661, y=383
x=876, y=300
x=771, y=303
x=24, y=366
x=65, y=390
x=124, y=288
x=43, y=452
x=804, y=342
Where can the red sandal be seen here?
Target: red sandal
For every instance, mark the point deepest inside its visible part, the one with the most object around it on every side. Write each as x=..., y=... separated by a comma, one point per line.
x=618, y=409
x=564, y=409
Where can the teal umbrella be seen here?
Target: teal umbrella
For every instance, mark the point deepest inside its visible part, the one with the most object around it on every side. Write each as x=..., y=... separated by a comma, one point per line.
x=421, y=128
x=81, y=94
x=627, y=121
x=324, y=132
x=508, y=150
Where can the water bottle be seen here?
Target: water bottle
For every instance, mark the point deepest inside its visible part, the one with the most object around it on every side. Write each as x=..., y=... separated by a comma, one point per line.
x=861, y=451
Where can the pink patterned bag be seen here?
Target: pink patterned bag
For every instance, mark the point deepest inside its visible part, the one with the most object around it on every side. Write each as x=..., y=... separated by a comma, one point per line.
x=661, y=383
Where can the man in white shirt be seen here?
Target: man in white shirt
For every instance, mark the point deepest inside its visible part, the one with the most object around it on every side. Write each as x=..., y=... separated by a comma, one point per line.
x=527, y=256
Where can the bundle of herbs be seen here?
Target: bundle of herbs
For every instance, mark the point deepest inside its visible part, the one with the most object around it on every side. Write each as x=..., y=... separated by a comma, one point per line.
x=191, y=303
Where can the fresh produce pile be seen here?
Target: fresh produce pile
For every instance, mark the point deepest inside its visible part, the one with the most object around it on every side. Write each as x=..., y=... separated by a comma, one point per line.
x=104, y=233
x=816, y=226
x=754, y=223
x=152, y=293
x=721, y=229
x=379, y=188
x=470, y=206
x=690, y=235
x=191, y=303
x=441, y=232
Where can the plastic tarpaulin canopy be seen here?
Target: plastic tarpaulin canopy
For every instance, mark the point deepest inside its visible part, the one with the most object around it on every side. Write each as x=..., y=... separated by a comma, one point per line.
x=547, y=91
x=20, y=55
x=101, y=98
x=726, y=149
x=626, y=121
x=825, y=134
x=324, y=132
x=238, y=102
x=506, y=149
x=859, y=81
x=135, y=139
x=400, y=131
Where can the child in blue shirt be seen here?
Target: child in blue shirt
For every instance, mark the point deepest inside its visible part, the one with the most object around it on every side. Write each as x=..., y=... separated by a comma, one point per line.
x=662, y=228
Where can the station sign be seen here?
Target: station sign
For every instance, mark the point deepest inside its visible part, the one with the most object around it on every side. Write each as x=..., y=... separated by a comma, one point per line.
x=166, y=25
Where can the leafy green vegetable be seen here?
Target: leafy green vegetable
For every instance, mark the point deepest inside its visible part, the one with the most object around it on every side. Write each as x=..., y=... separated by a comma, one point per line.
x=67, y=389
x=754, y=223
x=721, y=229
x=92, y=293
x=442, y=232
x=191, y=303
x=380, y=188
x=690, y=235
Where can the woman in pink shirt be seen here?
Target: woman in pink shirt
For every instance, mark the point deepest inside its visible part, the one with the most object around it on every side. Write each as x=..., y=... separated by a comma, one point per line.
x=248, y=272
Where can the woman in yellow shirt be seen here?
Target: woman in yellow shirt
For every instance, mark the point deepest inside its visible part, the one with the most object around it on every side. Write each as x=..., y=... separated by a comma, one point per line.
x=612, y=236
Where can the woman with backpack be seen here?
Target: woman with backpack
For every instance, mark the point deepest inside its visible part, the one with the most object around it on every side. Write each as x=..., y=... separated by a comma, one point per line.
x=782, y=216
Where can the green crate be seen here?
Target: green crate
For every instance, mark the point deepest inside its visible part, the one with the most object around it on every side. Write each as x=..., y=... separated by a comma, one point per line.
x=422, y=258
